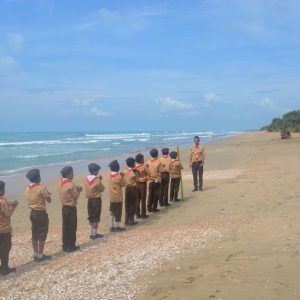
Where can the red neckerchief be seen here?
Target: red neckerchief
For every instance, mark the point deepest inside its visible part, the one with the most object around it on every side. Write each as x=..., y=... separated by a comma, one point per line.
x=173, y=160
x=33, y=185
x=114, y=175
x=129, y=170
x=64, y=181
x=153, y=159
x=138, y=166
x=196, y=149
x=90, y=182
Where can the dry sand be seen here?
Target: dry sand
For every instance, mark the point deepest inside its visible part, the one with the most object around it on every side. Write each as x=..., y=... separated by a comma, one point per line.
x=239, y=239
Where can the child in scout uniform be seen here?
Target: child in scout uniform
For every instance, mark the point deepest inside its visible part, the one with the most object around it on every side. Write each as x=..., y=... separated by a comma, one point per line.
x=153, y=167
x=175, y=176
x=197, y=157
x=130, y=176
x=6, y=210
x=93, y=188
x=69, y=193
x=37, y=195
x=141, y=186
x=116, y=182
x=165, y=168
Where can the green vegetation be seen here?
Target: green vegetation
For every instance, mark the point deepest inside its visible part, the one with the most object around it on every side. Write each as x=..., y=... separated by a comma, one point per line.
x=289, y=121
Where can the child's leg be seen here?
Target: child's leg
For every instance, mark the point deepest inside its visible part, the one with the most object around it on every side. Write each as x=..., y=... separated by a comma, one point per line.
x=143, y=195
x=172, y=189
x=43, y=232
x=65, y=228
x=176, y=188
x=89, y=209
x=127, y=205
x=34, y=233
x=73, y=227
x=166, y=188
x=5, y=246
x=150, y=196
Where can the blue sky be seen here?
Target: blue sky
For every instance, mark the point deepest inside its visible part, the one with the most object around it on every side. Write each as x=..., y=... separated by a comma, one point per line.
x=147, y=65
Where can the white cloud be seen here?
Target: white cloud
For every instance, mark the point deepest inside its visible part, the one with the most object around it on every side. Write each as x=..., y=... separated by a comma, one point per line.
x=167, y=103
x=83, y=102
x=211, y=97
x=268, y=103
x=8, y=61
x=15, y=41
x=99, y=113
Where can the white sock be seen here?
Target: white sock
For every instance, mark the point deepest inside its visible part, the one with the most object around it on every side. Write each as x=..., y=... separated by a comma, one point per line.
x=111, y=220
x=118, y=224
x=94, y=231
x=40, y=255
x=90, y=229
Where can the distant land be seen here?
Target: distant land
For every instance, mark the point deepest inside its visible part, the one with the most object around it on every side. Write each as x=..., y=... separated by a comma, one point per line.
x=289, y=121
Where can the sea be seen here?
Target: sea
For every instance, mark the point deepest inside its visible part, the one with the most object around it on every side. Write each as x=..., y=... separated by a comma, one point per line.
x=20, y=151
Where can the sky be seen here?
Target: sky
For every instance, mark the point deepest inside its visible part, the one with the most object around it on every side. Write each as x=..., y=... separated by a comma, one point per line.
x=147, y=65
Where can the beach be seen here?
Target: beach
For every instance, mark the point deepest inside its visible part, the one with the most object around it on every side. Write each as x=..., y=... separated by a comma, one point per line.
x=238, y=239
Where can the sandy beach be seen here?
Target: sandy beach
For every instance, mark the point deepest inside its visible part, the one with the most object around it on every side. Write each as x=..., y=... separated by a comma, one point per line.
x=238, y=239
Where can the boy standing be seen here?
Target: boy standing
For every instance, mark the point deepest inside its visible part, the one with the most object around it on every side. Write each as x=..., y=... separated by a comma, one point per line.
x=141, y=186
x=37, y=195
x=165, y=168
x=130, y=178
x=175, y=176
x=6, y=210
x=69, y=193
x=93, y=188
x=116, y=182
x=197, y=157
x=153, y=167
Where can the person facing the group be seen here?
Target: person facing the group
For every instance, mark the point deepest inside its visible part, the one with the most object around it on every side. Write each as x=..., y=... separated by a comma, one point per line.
x=153, y=167
x=93, y=188
x=130, y=176
x=6, y=211
x=116, y=182
x=141, y=186
x=165, y=168
x=69, y=193
x=175, y=176
x=197, y=157
x=37, y=195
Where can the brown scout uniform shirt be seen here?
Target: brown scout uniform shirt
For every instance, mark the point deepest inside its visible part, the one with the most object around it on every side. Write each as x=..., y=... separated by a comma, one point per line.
x=68, y=192
x=165, y=164
x=93, y=187
x=5, y=213
x=36, y=195
x=153, y=167
x=130, y=177
x=142, y=171
x=116, y=182
x=176, y=170
x=197, y=153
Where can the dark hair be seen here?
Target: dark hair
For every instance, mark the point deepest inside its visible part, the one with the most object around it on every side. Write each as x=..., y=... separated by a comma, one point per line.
x=196, y=137
x=93, y=168
x=33, y=175
x=173, y=154
x=114, y=166
x=66, y=171
x=130, y=162
x=165, y=151
x=139, y=158
x=2, y=185
x=154, y=153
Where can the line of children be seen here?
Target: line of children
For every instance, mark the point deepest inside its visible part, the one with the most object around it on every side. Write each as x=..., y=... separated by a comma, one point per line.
x=157, y=171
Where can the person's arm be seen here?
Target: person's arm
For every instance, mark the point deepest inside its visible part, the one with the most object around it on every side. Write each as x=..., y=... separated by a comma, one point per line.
x=191, y=156
x=203, y=153
x=101, y=187
x=9, y=208
x=75, y=191
x=47, y=195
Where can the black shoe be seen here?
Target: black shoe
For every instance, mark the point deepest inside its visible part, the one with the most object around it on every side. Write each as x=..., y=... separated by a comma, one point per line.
x=132, y=223
x=155, y=210
x=201, y=190
x=171, y=200
x=75, y=248
x=150, y=209
x=195, y=190
x=117, y=229
x=177, y=200
x=44, y=257
x=167, y=204
x=7, y=271
x=144, y=216
x=138, y=216
x=161, y=204
x=112, y=229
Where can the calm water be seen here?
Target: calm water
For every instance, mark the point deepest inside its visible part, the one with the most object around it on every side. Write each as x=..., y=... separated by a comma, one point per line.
x=20, y=151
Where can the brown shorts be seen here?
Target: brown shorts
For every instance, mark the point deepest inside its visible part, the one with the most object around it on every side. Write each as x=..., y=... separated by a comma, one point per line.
x=116, y=210
x=39, y=225
x=94, y=209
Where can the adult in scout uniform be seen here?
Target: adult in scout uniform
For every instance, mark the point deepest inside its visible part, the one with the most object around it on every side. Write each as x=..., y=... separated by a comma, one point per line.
x=197, y=157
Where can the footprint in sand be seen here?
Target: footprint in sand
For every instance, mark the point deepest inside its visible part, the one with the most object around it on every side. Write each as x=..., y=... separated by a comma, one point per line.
x=188, y=280
x=229, y=257
x=194, y=267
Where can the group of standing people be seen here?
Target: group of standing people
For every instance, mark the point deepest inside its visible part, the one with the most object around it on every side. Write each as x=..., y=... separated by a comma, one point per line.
x=154, y=177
